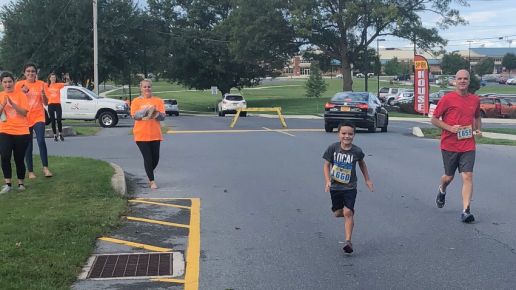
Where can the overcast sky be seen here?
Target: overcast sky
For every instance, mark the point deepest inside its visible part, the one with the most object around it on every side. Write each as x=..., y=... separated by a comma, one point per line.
x=488, y=21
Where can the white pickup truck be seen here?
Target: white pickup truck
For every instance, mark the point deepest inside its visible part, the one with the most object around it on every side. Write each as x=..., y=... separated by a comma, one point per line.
x=79, y=103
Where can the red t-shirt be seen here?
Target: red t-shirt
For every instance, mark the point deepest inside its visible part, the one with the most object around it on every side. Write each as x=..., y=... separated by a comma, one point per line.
x=455, y=109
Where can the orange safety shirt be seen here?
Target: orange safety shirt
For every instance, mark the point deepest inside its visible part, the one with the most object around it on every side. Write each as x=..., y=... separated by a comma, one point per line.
x=14, y=124
x=35, y=99
x=147, y=130
x=53, y=93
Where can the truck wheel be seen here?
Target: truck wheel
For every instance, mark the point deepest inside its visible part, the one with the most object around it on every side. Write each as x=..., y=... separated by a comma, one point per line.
x=108, y=119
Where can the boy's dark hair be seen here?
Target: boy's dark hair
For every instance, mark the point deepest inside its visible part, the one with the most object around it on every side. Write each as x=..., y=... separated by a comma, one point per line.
x=6, y=74
x=347, y=124
x=30, y=64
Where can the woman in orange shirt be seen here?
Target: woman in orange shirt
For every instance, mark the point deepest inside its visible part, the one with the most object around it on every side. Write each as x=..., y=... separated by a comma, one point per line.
x=53, y=93
x=34, y=90
x=14, y=131
x=147, y=111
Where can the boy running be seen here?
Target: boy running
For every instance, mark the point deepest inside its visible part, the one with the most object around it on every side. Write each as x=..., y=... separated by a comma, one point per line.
x=340, y=177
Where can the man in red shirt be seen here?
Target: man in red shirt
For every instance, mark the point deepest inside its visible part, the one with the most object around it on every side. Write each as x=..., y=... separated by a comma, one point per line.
x=458, y=115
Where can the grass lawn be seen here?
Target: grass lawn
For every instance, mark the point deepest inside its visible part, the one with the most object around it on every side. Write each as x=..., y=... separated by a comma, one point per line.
x=83, y=128
x=48, y=231
x=435, y=133
x=289, y=94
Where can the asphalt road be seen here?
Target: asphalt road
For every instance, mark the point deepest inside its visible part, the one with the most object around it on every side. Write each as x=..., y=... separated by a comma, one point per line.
x=266, y=221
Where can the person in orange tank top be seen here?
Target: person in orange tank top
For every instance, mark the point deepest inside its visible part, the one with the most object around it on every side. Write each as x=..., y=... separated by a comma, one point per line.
x=14, y=131
x=55, y=111
x=147, y=111
x=34, y=90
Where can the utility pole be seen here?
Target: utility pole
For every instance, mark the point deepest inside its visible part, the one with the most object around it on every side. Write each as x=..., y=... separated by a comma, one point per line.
x=95, y=50
x=378, y=54
x=469, y=54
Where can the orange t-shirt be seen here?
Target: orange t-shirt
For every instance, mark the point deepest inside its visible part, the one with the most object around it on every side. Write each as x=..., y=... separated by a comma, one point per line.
x=35, y=99
x=53, y=92
x=15, y=124
x=147, y=130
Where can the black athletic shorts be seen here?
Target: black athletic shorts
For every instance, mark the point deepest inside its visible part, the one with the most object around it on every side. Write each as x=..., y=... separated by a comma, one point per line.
x=464, y=161
x=343, y=198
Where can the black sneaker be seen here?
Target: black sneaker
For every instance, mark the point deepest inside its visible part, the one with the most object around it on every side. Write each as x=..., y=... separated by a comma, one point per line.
x=61, y=137
x=348, y=248
x=55, y=138
x=467, y=217
x=441, y=198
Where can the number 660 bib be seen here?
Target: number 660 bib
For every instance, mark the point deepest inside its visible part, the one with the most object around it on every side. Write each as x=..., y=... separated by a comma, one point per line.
x=341, y=175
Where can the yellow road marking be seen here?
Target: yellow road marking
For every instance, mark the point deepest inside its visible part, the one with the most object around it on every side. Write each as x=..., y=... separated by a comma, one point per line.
x=240, y=131
x=135, y=245
x=136, y=219
x=158, y=203
x=163, y=198
x=169, y=280
x=279, y=131
x=194, y=247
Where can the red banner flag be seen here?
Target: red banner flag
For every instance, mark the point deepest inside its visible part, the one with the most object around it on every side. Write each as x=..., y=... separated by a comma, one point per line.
x=421, y=85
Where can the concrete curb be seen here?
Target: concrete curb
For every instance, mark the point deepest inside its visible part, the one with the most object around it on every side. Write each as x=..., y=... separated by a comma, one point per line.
x=118, y=180
x=416, y=131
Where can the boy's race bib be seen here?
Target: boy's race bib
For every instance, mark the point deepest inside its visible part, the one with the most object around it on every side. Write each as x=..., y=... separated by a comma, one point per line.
x=341, y=175
x=465, y=132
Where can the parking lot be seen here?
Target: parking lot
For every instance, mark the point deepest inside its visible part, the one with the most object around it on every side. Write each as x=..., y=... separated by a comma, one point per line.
x=266, y=221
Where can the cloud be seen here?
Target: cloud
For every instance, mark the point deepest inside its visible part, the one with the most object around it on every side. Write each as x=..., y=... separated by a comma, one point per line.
x=479, y=17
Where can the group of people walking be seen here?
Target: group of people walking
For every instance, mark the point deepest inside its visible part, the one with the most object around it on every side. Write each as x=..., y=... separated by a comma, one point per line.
x=22, y=109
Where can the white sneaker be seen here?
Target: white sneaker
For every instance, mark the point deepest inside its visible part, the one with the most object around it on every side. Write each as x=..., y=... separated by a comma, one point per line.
x=5, y=189
x=21, y=187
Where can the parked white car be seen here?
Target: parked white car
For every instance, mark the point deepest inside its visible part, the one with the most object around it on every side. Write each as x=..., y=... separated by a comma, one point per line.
x=79, y=103
x=230, y=103
x=402, y=94
x=171, y=107
x=385, y=91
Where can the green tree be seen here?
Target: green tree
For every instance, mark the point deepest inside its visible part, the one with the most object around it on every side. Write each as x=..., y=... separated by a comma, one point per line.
x=345, y=29
x=57, y=36
x=392, y=67
x=509, y=62
x=474, y=84
x=229, y=43
x=453, y=62
x=484, y=67
x=315, y=85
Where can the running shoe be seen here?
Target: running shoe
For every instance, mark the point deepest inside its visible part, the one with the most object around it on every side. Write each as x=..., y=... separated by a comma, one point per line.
x=441, y=198
x=21, y=187
x=5, y=189
x=55, y=138
x=61, y=137
x=467, y=217
x=348, y=248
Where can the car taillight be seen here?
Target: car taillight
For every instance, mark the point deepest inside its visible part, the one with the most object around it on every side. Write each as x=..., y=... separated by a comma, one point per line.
x=329, y=106
x=363, y=106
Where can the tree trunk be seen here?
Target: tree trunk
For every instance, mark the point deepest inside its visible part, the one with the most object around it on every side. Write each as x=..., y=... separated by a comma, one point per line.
x=347, y=80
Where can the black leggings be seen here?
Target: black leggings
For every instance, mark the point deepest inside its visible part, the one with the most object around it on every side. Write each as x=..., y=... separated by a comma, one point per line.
x=16, y=144
x=56, y=113
x=150, y=152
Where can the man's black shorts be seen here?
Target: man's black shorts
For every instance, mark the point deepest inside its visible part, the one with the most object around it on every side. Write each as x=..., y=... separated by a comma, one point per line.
x=343, y=198
x=464, y=161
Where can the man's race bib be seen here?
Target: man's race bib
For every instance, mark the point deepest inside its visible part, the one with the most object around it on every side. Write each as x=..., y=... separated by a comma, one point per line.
x=465, y=132
x=341, y=175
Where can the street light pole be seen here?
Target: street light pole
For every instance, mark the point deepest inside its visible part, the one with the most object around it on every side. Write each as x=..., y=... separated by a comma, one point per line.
x=469, y=54
x=378, y=76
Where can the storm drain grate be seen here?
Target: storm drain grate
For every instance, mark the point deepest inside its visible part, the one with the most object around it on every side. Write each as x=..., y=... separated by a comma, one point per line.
x=132, y=265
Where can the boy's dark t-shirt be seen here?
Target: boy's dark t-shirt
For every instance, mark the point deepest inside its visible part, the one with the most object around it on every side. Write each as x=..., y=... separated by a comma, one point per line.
x=343, y=166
